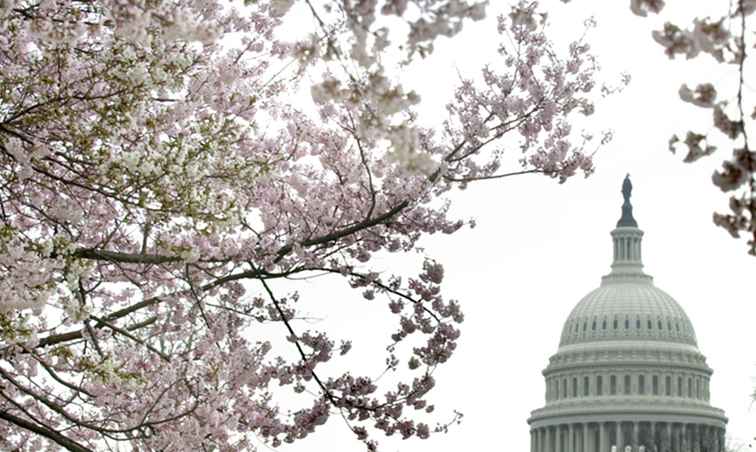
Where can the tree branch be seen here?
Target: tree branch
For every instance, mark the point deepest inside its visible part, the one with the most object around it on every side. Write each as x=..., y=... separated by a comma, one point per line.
x=64, y=441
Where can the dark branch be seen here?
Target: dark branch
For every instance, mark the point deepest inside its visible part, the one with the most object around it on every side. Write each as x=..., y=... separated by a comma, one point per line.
x=64, y=441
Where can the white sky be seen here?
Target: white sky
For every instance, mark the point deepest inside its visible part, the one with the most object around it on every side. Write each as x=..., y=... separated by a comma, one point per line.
x=539, y=247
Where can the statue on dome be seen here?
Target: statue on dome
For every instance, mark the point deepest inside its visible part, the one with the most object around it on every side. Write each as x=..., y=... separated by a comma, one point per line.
x=627, y=208
x=627, y=189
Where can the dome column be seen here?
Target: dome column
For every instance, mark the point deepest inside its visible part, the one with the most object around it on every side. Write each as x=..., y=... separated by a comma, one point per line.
x=706, y=440
x=603, y=436
x=667, y=443
x=696, y=438
x=653, y=443
x=541, y=440
x=636, y=436
x=688, y=437
x=620, y=442
x=571, y=438
x=674, y=445
x=588, y=443
x=710, y=442
x=721, y=440
x=558, y=441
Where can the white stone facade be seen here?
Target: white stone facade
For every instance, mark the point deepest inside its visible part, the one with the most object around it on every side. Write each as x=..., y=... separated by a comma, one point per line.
x=628, y=375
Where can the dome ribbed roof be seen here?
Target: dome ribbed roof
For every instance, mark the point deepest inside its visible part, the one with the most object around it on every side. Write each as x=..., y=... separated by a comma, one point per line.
x=629, y=310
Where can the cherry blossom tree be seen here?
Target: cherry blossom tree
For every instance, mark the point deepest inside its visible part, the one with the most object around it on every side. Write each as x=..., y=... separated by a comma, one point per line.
x=157, y=174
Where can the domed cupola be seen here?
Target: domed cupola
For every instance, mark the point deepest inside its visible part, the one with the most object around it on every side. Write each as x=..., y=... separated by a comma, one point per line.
x=628, y=371
x=627, y=305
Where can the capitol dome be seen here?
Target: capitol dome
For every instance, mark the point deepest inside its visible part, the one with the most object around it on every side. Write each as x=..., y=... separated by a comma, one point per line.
x=624, y=309
x=628, y=374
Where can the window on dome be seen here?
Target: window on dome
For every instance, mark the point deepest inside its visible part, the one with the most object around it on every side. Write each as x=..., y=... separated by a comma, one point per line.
x=698, y=388
x=655, y=384
x=574, y=387
x=668, y=385
x=599, y=385
x=650, y=327
x=615, y=324
x=690, y=388
x=564, y=388
x=585, y=326
x=594, y=326
x=679, y=386
x=603, y=325
x=586, y=386
x=677, y=327
x=627, y=384
x=637, y=323
x=669, y=325
x=660, y=324
x=613, y=385
x=627, y=324
x=641, y=384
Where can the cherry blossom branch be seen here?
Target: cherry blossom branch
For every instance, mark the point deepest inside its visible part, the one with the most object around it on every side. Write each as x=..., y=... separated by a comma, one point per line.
x=64, y=441
x=338, y=402
x=380, y=285
x=741, y=73
x=74, y=335
x=54, y=375
x=336, y=235
x=331, y=398
x=125, y=333
x=495, y=176
x=56, y=339
x=126, y=258
x=59, y=409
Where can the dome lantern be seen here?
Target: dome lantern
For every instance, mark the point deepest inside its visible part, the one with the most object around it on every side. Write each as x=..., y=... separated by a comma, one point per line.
x=627, y=262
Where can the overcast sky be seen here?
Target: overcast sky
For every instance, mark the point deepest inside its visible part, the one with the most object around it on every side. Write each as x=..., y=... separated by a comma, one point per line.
x=539, y=247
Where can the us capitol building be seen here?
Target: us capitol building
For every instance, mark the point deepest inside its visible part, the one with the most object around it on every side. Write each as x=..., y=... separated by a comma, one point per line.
x=628, y=374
